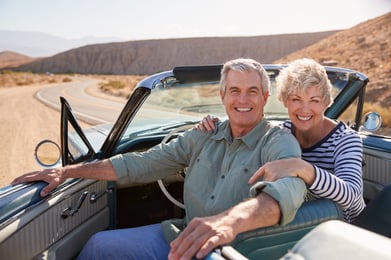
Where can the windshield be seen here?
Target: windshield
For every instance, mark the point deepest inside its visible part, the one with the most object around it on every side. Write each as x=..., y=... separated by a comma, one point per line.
x=173, y=103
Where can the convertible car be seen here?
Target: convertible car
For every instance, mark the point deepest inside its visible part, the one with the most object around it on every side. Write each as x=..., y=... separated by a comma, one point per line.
x=161, y=107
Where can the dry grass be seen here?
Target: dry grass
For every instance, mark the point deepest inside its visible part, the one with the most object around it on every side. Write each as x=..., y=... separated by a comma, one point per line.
x=13, y=79
x=118, y=85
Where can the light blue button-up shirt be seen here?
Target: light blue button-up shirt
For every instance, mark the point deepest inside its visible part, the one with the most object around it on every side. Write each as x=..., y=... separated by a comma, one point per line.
x=219, y=168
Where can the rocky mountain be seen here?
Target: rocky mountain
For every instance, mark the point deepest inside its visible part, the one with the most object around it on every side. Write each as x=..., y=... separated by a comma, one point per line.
x=365, y=47
x=151, y=56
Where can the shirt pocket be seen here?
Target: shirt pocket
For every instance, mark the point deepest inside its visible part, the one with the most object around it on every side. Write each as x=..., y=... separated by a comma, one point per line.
x=203, y=175
x=237, y=181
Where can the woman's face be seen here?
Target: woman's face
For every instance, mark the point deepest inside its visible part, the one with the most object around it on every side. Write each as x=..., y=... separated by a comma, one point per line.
x=306, y=109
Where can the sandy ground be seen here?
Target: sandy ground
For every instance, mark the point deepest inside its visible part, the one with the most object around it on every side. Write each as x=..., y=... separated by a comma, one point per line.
x=24, y=122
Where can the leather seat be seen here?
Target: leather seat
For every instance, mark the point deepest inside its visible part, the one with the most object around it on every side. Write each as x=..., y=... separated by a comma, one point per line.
x=339, y=240
x=273, y=242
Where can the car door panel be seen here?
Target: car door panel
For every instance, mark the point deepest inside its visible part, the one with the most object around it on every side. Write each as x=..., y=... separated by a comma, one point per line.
x=377, y=168
x=42, y=230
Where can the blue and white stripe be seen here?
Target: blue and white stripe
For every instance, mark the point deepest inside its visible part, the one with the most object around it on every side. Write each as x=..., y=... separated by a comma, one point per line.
x=337, y=160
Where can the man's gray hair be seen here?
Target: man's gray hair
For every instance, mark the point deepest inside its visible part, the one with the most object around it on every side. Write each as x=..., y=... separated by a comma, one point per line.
x=248, y=65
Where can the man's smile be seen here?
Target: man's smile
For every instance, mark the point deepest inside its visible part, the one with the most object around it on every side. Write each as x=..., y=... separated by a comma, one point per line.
x=243, y=109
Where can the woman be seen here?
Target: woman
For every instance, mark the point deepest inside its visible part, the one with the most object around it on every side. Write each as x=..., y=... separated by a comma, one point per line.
x=331, y=164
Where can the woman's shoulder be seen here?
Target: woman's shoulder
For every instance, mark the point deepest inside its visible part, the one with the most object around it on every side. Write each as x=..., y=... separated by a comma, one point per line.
x=344, y=132
x=287, y=124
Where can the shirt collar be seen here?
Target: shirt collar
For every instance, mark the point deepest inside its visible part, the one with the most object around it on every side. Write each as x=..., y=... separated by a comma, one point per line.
x=224, y=132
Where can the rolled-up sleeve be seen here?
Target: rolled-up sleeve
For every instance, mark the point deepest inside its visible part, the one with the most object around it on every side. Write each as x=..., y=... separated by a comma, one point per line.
x=160, y=161
x=119, y=166
x=289, y=192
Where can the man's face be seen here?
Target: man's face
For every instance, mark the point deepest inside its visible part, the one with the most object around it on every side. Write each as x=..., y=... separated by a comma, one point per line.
x=243, y=100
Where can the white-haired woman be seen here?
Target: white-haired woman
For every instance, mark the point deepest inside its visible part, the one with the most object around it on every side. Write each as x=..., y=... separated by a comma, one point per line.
x=331, y=163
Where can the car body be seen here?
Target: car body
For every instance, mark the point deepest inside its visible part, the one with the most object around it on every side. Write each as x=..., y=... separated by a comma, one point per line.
x=161, y=106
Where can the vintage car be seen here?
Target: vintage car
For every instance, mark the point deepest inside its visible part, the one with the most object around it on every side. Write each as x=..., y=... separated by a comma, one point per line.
x=159, y=108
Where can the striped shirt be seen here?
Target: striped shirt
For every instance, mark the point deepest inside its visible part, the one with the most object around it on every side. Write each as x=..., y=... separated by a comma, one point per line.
x=337, y=160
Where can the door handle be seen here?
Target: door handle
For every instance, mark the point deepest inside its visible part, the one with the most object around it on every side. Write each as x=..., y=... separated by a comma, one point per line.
x=71, y=211
x=95, y=196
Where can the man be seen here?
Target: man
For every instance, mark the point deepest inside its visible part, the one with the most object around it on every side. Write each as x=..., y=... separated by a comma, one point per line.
x=216, y=190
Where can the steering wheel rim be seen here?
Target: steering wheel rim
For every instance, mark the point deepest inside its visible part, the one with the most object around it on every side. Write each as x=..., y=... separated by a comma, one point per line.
x=160, y=181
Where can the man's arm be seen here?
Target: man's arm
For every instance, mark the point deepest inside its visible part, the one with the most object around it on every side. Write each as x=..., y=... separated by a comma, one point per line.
x=202, y=235
x=98, y=170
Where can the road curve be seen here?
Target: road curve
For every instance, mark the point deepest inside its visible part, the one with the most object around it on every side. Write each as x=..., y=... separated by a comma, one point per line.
x=87, y=106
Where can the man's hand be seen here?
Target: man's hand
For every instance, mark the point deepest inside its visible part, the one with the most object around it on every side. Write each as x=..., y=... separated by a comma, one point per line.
x=201, y=236
x=53, y=177
x=96, y=170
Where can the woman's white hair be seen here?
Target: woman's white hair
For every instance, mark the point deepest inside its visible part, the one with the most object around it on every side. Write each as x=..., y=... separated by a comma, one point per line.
x=301, y=74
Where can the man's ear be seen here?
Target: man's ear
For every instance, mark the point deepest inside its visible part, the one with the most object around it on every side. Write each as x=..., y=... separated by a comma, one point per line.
x=266, y=96
x=222, y=94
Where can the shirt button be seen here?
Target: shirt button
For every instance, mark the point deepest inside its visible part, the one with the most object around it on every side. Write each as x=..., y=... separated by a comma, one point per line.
x=223, y=176
x=212, y=197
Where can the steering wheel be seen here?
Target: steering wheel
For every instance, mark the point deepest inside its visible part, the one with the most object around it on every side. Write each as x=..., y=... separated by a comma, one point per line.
x=160, y=181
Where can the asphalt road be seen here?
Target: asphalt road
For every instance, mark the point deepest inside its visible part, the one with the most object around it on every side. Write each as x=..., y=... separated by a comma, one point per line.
x=86, y=101
x=27, y=121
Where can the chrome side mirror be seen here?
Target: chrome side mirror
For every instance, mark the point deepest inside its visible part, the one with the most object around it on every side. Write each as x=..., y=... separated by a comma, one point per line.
x=372, y=122
x=47, y=153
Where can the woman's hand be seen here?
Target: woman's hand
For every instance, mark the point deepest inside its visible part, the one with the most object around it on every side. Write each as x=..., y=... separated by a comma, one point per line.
x=293, y=167
x=207, y=124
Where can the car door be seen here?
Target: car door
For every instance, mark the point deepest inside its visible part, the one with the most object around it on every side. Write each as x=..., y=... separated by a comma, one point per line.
x=377, y=168
x=376, y=140
x=57, y=226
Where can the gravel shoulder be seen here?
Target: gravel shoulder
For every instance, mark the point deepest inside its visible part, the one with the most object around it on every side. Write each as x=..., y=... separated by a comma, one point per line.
x=24, y=123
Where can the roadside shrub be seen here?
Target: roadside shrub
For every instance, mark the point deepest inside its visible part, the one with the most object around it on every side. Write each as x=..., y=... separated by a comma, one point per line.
x=113, y=84
x=67, y=80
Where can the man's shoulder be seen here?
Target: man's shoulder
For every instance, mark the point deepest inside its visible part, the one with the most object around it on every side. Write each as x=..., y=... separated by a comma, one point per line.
x=276, y=129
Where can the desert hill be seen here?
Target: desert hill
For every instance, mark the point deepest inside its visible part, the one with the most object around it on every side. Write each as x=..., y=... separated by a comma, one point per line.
x=365, y=47
x=151, y=56
x=13, y=59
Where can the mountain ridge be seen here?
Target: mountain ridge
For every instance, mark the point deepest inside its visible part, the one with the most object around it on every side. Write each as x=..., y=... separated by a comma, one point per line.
x=151, y=56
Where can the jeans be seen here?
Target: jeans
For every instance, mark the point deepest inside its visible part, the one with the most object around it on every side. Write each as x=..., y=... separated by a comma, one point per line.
x=146, y=242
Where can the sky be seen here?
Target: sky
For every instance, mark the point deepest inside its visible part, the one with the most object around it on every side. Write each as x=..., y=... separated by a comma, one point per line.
x=156, y=19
